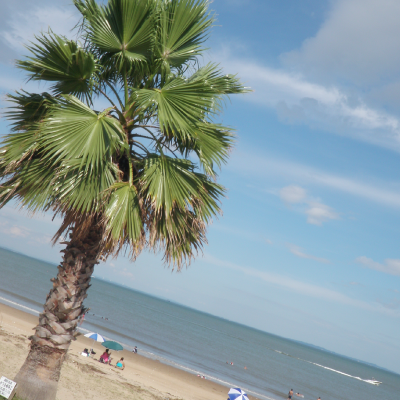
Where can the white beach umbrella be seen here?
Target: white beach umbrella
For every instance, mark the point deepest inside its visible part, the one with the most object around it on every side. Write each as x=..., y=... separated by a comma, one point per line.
x=237, y=394
x=95, y=336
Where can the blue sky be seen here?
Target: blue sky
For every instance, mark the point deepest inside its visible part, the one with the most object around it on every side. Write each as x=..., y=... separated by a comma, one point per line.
x=307, y=247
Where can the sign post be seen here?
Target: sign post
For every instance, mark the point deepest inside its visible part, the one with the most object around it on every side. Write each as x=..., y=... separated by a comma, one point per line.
x=7, y=387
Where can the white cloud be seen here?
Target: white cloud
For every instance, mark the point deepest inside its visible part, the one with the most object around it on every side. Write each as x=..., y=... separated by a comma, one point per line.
x=39, y=16
x=317, y=212
x=391, y=266
x=300, y=287
x=359, y=42
x=293, y=194
x=17, y=231
x=298, y=100
x=385, y=193
x=297, y=251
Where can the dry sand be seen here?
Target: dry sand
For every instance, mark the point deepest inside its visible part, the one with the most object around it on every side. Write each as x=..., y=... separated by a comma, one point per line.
x=84, y=378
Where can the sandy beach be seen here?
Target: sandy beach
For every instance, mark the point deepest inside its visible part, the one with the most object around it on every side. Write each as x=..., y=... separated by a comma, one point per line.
x=85, y=378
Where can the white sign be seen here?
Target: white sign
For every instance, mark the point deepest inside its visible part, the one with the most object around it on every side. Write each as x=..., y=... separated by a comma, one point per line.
x=6, y=387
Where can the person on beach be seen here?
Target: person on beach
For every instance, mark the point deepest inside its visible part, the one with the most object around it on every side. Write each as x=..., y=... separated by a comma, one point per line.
x=290, y=394
x=134, y=350
x=120, y=364
x=105, y=357
x=85, y=353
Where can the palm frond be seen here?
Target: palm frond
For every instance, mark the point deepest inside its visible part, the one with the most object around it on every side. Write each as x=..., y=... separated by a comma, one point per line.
x=17, y=149
x=122, y=31
x=26, y=114
x=182, y=105
x=179, y=105
x=180, y=236
x=88, y=8
x=28, y=109
x=123, y=219
x=74, y=131
x=79, y=190
x=168, y=181
x=184, y=26
x=31, y=186
x=212, y=145
x=57, y=59
x=217, y=82
x=180, y=202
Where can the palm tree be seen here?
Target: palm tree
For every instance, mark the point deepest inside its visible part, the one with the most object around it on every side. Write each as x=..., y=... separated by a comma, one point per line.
x=140, y=174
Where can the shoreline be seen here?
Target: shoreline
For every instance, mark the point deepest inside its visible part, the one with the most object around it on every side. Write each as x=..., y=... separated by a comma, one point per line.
x=84, y=378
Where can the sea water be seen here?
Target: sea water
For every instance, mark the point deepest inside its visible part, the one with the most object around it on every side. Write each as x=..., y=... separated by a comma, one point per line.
x=202, y=343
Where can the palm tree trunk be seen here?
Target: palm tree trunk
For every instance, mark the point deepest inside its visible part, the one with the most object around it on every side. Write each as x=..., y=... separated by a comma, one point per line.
x=39, y=375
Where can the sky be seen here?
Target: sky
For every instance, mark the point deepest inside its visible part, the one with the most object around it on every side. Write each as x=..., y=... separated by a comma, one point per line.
x=307, y=246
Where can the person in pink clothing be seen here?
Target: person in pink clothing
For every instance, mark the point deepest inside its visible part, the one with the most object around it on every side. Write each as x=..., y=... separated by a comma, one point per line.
x=105, y=357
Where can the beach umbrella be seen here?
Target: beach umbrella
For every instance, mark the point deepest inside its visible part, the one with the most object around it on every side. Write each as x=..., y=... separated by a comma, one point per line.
x=109, y=344
x=237, y=394
x=95, y=336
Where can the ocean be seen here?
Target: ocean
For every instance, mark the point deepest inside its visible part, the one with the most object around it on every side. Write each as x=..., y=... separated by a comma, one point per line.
x=202, y=343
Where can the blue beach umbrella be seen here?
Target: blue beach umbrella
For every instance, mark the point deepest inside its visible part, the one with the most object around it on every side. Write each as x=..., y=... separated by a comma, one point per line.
x=237, y=394
x=95, y=336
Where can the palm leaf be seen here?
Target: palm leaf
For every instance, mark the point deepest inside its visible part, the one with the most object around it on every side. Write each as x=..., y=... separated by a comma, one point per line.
x=18, y=148
x=182, y=105
x=74, y=131
x=184, y=25
x=179, y=202
x=212, y=145
x=217, y=82
x=26, y=114
x=78, y=190
x=88, y=8
x=28, y=109
x=123, y=218
x=31, y=185
x=57, y=59
x=122, y=31
x=168, y=181
x=180, y=236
